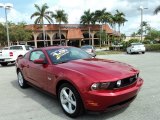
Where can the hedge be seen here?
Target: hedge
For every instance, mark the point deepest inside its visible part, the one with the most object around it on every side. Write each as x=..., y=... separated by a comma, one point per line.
x=152, y=47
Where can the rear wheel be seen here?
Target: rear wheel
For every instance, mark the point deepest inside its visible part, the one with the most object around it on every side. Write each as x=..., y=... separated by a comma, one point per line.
x=143, y=52
x=21, y=81
x=4, y=64
x=70, y=100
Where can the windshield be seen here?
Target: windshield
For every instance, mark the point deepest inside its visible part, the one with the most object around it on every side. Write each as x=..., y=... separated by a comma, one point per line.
x=62, y=55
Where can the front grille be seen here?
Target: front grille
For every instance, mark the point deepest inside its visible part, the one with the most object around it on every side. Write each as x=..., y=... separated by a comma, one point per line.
x=124, y=82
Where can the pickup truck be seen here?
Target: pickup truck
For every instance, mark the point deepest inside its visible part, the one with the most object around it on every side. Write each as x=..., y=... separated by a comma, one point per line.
x=10, y=55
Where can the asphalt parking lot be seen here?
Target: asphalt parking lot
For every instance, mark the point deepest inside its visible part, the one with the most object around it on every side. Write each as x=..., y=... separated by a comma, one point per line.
x=32, y=104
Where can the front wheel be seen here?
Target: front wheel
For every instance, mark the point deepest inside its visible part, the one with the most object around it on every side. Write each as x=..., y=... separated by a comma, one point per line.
x=143, y=52
x=70, y=100
x=21, y=81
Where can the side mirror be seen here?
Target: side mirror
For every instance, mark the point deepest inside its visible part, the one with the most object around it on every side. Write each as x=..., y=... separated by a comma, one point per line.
x=39, y=61
x=20, y=56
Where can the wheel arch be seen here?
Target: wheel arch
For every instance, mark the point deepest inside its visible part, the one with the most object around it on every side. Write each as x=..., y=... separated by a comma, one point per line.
x=60, y=82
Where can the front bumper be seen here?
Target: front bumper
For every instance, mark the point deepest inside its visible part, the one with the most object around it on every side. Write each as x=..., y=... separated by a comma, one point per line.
x=108, y=99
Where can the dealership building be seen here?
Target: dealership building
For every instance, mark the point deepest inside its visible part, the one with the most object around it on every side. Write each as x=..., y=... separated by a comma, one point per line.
x=71, y=34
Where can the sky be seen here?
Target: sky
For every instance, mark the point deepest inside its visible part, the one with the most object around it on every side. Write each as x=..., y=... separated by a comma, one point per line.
x=22, y=11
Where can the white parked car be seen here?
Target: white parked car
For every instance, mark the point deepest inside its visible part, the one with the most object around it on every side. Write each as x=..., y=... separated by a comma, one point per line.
x=10, y=55
x=136, y=48
x=89, y=49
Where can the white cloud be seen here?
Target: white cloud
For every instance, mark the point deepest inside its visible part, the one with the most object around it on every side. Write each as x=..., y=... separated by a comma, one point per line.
x=75, y=8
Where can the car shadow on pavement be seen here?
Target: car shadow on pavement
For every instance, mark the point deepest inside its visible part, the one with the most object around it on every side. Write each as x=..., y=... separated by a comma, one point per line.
x=51, y=104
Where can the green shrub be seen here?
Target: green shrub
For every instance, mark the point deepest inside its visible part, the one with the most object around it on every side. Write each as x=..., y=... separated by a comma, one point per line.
x=152, y=47
x=128, y=43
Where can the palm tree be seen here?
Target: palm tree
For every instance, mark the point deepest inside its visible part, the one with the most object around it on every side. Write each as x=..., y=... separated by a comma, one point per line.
x=99, y=14
x=120, y=19
x=88, y=18
x=60, y=17
x=157, y=10
x=107, y=18
x=40, y=15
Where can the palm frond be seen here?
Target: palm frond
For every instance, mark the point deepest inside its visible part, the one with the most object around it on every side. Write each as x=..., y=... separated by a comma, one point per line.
x=35, y=14
x=157, y=10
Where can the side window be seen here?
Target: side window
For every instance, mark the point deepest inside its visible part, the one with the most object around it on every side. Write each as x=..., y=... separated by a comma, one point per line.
x=37, y=55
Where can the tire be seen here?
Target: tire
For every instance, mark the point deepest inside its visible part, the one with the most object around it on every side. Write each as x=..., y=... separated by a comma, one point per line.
x=21, y=81
x=4, y=64
x=143, y=52
x=70, y=100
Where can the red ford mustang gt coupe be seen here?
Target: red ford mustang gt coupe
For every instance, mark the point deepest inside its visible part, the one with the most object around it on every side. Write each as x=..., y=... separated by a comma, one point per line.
x=80, y=81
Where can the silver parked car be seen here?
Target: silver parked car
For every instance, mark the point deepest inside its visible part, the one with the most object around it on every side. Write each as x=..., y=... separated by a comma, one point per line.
x=136, y=48
x=89, y=49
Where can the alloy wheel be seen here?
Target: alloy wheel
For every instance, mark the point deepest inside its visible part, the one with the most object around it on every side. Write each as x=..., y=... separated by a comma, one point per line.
x=68, y=100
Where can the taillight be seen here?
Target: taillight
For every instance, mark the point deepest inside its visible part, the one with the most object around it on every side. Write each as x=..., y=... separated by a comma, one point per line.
x=10, y=54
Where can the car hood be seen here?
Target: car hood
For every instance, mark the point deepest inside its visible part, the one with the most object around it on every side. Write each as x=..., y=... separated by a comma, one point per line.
x=100, y=69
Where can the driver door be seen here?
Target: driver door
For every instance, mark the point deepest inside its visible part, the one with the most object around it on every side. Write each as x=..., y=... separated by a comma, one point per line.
x=37, y=73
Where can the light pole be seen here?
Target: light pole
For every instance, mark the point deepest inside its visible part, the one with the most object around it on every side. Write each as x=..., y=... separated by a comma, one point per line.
x=141, y=8
x=6, y=6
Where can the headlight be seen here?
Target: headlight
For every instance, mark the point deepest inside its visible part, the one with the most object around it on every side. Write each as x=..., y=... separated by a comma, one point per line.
x=119, y=82
x=137, y=75
x=100, y=86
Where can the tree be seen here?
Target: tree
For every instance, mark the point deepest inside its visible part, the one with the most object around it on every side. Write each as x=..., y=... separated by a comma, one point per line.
x=60, y=17
x=133, y=34
x=87, y=18
x=107, y=18
x=99, y=16
x=146, y=28
x=20, y=33
x=157, y=10
x=2, y=34
x=119, y=19
x=40, y=15
x=123, y=36
x=152, y=35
